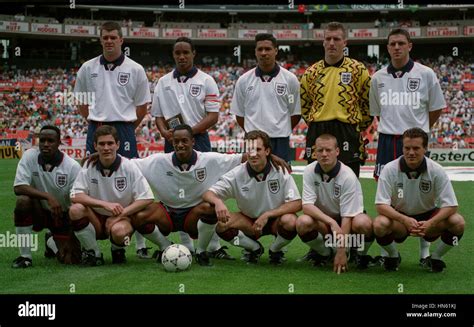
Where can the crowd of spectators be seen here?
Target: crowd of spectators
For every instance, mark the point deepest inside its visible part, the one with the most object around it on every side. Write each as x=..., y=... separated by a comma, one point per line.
x=29, y=109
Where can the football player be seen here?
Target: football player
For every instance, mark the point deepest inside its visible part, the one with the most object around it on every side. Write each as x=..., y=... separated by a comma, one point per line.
x=43, y=181
x=267, y=198
x=415, y=197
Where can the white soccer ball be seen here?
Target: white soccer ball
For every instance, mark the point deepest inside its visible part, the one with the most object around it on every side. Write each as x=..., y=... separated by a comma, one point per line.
x=176, y=257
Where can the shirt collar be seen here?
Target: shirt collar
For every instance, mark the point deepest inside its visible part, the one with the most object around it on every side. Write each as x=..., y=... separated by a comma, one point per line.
x=188, y=75
x=326, y=177
x=337, y=64
x=273, y=73
x=111, y=65
x=187, y=165
x=54, y=162
x=412, y=173
x=114, y=167
x=398, y=73
x=262, y=174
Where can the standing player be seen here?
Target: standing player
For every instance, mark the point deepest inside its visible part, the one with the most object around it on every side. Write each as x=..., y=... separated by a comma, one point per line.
x=188, y=96
x=121, y=93
x=402, y=95
x=187, y=174
x=105, y=197
x=43, y=181
x=268, y=200
x=415, y=197
x=335, y=99
x=267, y=98
x=333, y=205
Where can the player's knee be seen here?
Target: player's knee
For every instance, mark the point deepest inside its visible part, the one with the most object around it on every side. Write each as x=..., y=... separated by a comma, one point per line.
x=362, y=225
x=120, y=231
x=145, y=228
x=77, y=211
x=205, y=208
x=228, y=234
x=23, y=213
x=381, y=225
x=304, y=224
x=458, y=223
x=23, y=203
x=288, y=222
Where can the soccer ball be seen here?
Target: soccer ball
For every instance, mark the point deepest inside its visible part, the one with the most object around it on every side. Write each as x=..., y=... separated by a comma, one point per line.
x=176, y=257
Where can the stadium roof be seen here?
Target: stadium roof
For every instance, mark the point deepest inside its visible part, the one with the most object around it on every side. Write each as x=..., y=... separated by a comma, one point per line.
x=273, y=8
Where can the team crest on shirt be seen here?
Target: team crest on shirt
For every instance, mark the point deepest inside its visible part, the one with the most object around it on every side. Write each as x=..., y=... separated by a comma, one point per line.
x=274, y=185
x=120, y=183
x=61, y=180
x=346, y=78
x=200, y=174
x=413, y=84
x=280, y=88
x=337, y=191
x=195, y=89
x=425, y=186
x=123, y=78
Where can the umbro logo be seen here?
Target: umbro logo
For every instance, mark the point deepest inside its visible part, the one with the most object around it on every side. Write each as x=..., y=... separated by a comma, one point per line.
x=36, y=174
x=245, y=189
x=93, y=75
x=94, y=181
x=381, y=85
x=169, y=173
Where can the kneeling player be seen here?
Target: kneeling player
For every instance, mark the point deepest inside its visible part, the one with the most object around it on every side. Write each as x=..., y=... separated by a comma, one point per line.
x=268, y=200
x=333, y=209
x=105, y=197
x=42, y=184
x=407, y=193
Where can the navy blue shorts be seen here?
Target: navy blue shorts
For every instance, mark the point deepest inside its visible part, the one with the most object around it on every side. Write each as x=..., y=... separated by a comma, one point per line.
x=126, y=133
x=201, y=143
x=281, y=147
x=389, y=148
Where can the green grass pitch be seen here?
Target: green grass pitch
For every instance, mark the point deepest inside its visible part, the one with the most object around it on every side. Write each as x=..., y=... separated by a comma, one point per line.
x=235, y=277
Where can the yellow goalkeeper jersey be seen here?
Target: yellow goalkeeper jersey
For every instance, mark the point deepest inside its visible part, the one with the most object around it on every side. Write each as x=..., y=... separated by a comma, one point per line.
x=339, y=91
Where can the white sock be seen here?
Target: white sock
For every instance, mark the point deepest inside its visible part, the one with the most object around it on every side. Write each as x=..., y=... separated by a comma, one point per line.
x=441, y=250
x=366, y=248
x=279, y=243
x=139, y=241
x=214, y=244
x=87, y=238
x=206, y=232
x=157, y=238
x=391, y=250
x=383, y=253
x=52, y=244
x=245, y=242
x=424, y=248
x=186, y=240
x=318, y=245
x=25, y=251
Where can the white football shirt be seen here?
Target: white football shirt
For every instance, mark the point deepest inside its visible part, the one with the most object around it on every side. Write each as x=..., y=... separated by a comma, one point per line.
x=125, y=184
x=58, y=181
x=191, y=95
x=267, y=102
x=338, y=193
x=117, y=91
x=256, y=197
x=178, y=188
x=415, y=196
x=404, y=102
